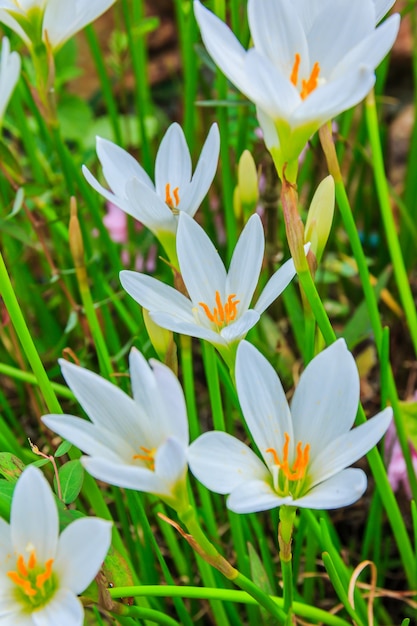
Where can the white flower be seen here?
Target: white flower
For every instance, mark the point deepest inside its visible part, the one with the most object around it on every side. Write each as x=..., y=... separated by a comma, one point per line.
x=58, y=19
x=9, y=74
x=305, y=452
x=176, y=189
x=310, y=61
x=42, y=572
x=137, y=443
x=218, y=305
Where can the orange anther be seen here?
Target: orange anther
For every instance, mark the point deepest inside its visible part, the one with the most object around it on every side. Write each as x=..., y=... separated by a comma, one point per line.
x=222, y=313
x=298, y=469
x=172, y=203
x=21, y=567
x=295, y=68
x=32, y=560
x=148, y=457
x=42, y=578
x=310, y=84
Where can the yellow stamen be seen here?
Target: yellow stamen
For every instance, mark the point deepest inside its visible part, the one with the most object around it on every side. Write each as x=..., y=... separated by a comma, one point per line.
x=309, y=85
x=172, y=202
x=148, y=457
x=299, y=466
x=222, y=313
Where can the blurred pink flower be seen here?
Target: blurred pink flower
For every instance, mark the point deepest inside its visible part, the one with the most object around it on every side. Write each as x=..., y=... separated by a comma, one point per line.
x=397, y=471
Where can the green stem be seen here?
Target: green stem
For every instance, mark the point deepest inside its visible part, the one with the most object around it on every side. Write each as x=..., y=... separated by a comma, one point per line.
x=286, y=516
x=146, y=614
x=226, y=595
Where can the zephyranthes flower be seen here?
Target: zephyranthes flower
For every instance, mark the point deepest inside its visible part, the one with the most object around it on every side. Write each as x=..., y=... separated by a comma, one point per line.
x=50, y=21
x=9, y=74
x=305, y=451
x=218, y=305
x=176, y=189
x=137, y=443
x=41, y=571
x=309, y=62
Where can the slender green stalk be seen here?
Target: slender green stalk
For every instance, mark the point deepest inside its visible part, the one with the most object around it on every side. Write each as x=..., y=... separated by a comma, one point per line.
x=225, y=595
x=29, y=378
x=394, y=247
x=146, y=614
x=212, y=375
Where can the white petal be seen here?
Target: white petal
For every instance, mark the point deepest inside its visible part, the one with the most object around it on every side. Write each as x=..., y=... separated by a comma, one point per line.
x=326, y=399
x=275, y=286
x=173, y=161
x=64, y=608
x=262, y=398
x=237, y=330
x=147, y=207
x=246, y=263
x=173, y=401
x=119, y=166
x=222, y=46
x=171, y=462
x=119, y=201
x=178, y=325
x=381, y=8
x=154, y=295
x=105, y=404
x=349, y=447
x=201, y=267
x=82, y=548
x=63, y=19
x=34, y=516
x=203, y=175
x=222, y=462
x=268, y=128
x=8, y=20
x=127, y=476
x=278, y=33
x=9, y=74
x=91, y=439
x=340, y=490
x=254, y=496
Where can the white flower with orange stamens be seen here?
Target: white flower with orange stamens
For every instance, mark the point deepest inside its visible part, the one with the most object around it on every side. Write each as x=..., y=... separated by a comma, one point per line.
x=51, y=21
x=305, y=451
x=41, y=571
x=176, y=189
x=137, y=443
x=309, y=62
x=217, y=308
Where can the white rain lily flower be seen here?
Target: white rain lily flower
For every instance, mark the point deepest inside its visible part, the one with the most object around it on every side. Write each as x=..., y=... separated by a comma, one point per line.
x=137, y=443
x=176, y=188
x=9, y=74
x=50, y=21
x=305, y=452
x=218, y=305
x=310, y=60
x=41, y=571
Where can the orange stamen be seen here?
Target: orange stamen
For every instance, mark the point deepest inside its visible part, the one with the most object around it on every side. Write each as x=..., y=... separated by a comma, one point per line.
x=172, y=203
x=296, y=67
x=32, y=560
x=21, y=582
x=222, y=313
x=297, y=472
x=148, y=457
x=21, y=567
x=42, y=578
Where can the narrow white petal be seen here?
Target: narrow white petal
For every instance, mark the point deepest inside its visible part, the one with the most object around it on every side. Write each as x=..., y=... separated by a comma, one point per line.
x=34, y=516
x=178, y=324
x=237, y=330
x=8, y=20
x=246, y=263
x=268, y=128
x=91, y=439
x=222, y=462
x=146, y=206
x=326, y=399
x=63, y=19
x=203, y=175
x=349, y=447
x=105, y=404
x=63, y=608
x=171, y=462
x=9, y=74
x=381, y=8
x=340, y=490
x=127, y=476
x=275, y=286
x=173, y=402
x=82, y=548
x=254, y=496
x=262, y=398
x=222, y=46
x=173, y=161
x=119, y=201
x=119, y=166
x=278, y=33
x=201, y=267
x=154, y=295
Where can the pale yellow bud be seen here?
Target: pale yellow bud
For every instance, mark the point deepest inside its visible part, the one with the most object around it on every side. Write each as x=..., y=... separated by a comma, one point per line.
x=320, y=217
x=163, y=342
x=247, y=177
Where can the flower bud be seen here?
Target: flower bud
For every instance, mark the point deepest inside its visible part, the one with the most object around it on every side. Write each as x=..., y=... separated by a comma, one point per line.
x=320, y=217
x=247, y=177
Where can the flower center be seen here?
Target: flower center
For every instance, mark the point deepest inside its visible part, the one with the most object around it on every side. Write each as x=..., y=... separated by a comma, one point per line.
x=221, y=314
x=35, y=584
x=289, y=480
x=309, y=85
x=172, y=202
x=148, y=457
